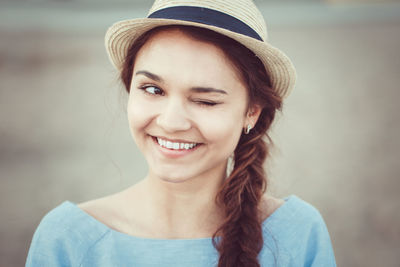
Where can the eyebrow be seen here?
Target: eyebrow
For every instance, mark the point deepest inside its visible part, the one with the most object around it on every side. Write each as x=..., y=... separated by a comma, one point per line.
x=197, y=89
x=149, y=75
x=207, y=90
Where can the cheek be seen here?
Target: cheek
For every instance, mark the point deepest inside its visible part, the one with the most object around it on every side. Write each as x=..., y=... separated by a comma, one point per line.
x=139, y=114
x=223, y=131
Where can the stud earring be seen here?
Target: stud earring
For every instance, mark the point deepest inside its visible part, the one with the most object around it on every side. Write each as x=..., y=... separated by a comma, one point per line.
x=247, y=130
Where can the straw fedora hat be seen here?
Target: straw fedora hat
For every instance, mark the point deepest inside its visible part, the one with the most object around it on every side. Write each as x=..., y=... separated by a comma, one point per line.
x=237, y=19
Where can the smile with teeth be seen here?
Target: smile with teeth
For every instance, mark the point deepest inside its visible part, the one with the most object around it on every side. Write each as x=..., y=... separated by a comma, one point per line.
x=175, y=145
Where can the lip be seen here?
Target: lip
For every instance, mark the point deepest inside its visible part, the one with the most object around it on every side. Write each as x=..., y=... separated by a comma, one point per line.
x=175, y=153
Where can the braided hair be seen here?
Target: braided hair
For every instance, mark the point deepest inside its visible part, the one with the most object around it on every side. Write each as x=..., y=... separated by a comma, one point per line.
x=239, y=238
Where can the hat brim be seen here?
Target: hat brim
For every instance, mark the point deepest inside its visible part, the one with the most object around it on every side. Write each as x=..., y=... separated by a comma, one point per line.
x=280, y=69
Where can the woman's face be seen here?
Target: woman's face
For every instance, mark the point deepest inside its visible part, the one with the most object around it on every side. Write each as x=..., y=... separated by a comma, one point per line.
x=187, y=107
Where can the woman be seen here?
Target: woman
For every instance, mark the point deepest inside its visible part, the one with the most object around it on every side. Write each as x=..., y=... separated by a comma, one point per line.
x=204, y=86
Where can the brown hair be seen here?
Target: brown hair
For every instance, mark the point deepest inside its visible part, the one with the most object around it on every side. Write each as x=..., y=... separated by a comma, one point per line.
x=239, y=239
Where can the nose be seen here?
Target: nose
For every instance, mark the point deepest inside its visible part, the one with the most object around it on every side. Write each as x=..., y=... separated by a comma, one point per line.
x=173, y=117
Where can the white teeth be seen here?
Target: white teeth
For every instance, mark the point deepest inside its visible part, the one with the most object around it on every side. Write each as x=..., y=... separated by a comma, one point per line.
x=174, y=145
x=169, y=144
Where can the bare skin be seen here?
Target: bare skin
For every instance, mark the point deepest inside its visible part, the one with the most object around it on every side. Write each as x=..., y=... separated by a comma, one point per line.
x=131, y=212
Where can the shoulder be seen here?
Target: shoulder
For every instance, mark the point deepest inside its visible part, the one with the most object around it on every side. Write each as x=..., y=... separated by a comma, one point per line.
x=63, y=237
x=292, y=219
x=110, y=210
x=268, y=205
x=97, y=209
x=298, y=229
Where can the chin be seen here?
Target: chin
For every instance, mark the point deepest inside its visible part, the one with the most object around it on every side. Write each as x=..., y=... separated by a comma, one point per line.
x=174, y=177
x=173, y=180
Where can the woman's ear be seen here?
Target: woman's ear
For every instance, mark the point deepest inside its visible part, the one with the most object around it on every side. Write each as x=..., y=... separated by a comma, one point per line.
x=252, y=116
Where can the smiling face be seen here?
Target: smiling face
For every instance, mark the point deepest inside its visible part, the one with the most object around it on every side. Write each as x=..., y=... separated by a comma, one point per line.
x=187, y=107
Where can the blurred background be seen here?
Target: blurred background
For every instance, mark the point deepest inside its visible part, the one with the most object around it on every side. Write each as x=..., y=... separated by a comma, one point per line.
x=64, y=135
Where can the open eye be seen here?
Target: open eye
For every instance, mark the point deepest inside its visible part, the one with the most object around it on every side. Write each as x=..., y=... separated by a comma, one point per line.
x=152, y=90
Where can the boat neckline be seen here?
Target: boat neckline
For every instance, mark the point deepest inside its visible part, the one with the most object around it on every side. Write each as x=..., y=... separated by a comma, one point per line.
x=281, y=209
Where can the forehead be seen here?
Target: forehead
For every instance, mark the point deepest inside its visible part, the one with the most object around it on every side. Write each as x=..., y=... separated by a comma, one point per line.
x=172, y=53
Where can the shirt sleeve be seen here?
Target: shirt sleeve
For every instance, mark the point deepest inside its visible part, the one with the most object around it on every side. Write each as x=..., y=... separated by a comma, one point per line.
x=64, y=237
x=315, y=246
x=51, y=244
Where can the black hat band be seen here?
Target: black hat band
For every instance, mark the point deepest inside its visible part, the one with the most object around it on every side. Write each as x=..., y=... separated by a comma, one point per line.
x=206, y=16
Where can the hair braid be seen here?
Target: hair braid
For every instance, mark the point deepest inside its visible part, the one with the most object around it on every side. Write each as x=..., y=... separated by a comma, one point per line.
x=240, y=195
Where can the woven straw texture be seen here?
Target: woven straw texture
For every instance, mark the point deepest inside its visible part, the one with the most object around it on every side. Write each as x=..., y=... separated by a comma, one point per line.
x=122, y=34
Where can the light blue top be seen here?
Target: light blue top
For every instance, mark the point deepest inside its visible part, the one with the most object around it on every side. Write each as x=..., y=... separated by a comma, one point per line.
x=294, y=235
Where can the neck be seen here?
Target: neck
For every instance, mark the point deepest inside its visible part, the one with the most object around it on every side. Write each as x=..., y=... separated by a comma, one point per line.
x=180, y=210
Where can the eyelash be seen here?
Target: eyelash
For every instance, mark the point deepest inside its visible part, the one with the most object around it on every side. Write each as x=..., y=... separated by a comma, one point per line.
x=145, y=87
x=205, y=103
x=199, y=102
